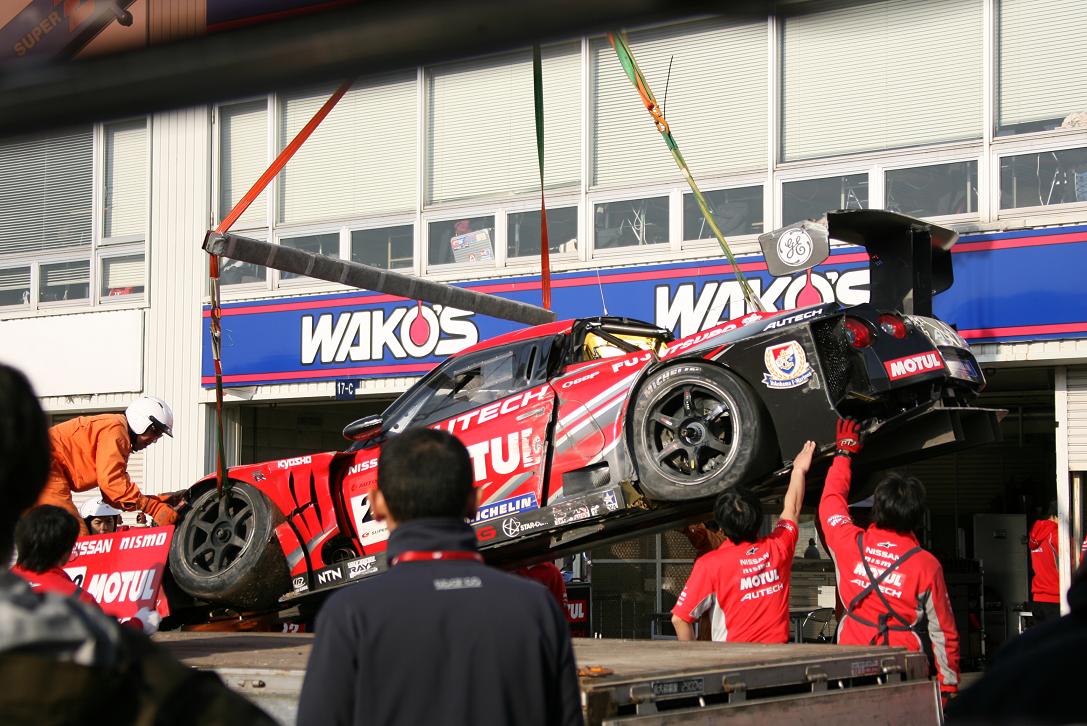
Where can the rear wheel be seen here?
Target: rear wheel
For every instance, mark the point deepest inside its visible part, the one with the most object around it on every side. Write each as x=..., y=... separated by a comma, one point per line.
x=697, y=430
x=225, y=550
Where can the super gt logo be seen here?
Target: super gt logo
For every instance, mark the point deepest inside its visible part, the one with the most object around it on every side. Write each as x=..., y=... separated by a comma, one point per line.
x=414, y=331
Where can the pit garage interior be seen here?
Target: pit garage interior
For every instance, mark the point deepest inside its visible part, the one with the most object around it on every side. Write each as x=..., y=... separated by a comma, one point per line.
x=981, y=502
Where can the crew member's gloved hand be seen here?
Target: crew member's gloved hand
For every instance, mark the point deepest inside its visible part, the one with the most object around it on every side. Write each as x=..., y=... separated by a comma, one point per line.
x=849, y=437
x=159, y=510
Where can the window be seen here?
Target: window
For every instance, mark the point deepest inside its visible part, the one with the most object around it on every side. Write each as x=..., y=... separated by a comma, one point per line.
x=1036, y=180
x=468, y=240
x=481, y=129
x=469, y=382
x=122, y=276
x=1040, y=66
x=56, y=246
x=880, y=75
x=243, y=157
x=709, y=76
x=359, y=161
x=631, y=223
x=736, y=212
x=930, y=191
x=389, y=248
x=523, y=232
x=65, y=281
x=812, y=198
x=327, y=244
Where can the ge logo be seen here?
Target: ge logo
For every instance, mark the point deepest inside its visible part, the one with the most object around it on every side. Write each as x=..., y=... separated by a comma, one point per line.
x=511, y=527
x=794, y=247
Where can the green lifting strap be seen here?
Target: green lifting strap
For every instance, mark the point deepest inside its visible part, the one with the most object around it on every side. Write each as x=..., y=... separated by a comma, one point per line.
x=634, y=73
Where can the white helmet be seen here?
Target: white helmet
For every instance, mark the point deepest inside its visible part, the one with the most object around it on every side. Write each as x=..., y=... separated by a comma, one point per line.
x=97, y=508
x=148, y=411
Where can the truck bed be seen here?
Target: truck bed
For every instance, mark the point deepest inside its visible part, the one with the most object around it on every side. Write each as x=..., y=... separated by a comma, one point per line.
x=639, y=681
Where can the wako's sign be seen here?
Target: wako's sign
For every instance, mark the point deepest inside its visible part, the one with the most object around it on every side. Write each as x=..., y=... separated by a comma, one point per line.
x=1008, y=286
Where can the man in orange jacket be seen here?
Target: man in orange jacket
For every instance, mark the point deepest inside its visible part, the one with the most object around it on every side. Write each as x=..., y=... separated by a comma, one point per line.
x=92, y=451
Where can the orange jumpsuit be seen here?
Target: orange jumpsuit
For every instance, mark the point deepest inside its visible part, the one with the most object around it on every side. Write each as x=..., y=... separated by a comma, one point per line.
x=93, y=451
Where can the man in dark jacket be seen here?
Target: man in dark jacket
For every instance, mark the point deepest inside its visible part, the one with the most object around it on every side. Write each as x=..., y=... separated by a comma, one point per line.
x=441, y=637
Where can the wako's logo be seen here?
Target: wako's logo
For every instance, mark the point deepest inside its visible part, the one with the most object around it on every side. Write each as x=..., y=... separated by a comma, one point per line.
x=416, y=331
x=693, y=306
x=786, y=365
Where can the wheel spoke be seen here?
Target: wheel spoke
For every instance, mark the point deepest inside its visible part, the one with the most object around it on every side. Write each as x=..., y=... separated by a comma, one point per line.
x=717, y=445
x=240, y=517
x=203, y=526
x=237, y=541
x=217, y=561
x=666, y=421
x=200, y=551
x=668, y=451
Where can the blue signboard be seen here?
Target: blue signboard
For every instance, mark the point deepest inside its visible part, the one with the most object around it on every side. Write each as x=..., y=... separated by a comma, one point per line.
x=1023, y=285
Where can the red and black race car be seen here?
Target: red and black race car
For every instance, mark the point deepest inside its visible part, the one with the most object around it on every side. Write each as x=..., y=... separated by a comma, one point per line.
x=587, y=430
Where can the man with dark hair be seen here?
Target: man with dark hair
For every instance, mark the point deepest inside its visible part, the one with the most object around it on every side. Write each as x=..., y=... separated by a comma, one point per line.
x=44, y=538
x=744, y=583
x=62, y=659
x=893, y=591
x=482, y=646
x=1045, y=586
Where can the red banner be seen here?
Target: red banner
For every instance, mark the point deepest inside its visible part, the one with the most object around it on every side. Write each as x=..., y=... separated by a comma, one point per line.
x=123, y=571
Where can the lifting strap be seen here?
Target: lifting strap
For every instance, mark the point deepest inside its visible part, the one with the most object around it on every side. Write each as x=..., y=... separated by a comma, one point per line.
x=216, y=312
x=545, y=251
x=634, y=73
x=882, y=627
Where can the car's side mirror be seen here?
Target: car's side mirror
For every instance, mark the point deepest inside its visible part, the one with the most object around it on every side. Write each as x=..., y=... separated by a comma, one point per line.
x=363, y=429
x=795, y=248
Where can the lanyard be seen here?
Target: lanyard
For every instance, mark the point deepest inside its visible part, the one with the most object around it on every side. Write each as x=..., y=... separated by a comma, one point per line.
x=431, y=556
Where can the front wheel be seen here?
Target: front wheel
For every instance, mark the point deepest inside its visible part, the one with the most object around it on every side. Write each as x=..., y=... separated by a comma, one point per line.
x=696, y=430
x=224, y=551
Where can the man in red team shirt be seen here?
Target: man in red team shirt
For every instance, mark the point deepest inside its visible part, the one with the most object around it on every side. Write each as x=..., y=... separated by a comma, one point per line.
x=1045, y=587
x=744, y=583
x=893, y=591
x=44, y=537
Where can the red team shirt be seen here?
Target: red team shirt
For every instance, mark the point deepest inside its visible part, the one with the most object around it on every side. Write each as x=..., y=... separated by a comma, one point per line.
x=54, y=580
x=916, y=589
x=745, y=587
x=1046, y=585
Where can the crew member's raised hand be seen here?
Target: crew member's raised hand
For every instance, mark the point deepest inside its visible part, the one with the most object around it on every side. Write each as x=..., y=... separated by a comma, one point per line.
x=849, y=437
x=802, y=461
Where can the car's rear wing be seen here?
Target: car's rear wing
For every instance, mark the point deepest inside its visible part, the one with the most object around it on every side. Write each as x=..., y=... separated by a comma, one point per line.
x=909, y=259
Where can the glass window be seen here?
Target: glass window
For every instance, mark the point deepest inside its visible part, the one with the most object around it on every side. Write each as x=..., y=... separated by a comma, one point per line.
x=631, y=223
x=327, y=244
x=930, y=191
x=389, y=248
x=124, y=212
x=452, y=241
x=812, y=198
x=122, y=276
x=736, y=211
x=65, y=281
x=1041, y=66
x=523, y=232
x=15, y=286
x=1037, y=180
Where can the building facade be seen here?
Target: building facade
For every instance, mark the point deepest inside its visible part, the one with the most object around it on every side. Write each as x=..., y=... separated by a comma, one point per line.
x=971, y=113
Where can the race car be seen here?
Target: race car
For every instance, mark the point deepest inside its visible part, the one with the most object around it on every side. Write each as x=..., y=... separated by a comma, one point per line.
x=590, y=429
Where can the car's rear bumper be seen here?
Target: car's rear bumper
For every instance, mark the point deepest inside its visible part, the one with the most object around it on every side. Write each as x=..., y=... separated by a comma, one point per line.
x=928, y=432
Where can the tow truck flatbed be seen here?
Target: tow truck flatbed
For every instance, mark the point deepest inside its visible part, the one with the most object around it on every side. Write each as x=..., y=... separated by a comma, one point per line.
x=640, y=681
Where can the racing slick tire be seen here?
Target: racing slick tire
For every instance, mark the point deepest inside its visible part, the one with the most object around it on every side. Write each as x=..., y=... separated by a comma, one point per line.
x=696, y=430
x=226, y=552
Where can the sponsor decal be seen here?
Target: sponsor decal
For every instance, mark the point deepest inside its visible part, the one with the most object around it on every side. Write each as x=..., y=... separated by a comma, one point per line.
x=610, y=501
x=888, y=545
x=362, y=466
x=505, y=507
x=790, y=320
x=913, y=365
x=575, y=611
x=409, y=331
x=370, y=533
x=962, y=369
x=836, y=520
x=636, y=361
x=296, y=461
x=511, y=527
x=508, y=405
x=361, y=567
x=486, y=533
x=503, y=455
x=752, y=551
x=330, y=575
x=795, y=247
x=122, y=571
x=786, y=365
x=572, y=515
x=580, y=379
x=259, y=476
x=299, y=584
x=457, y=583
